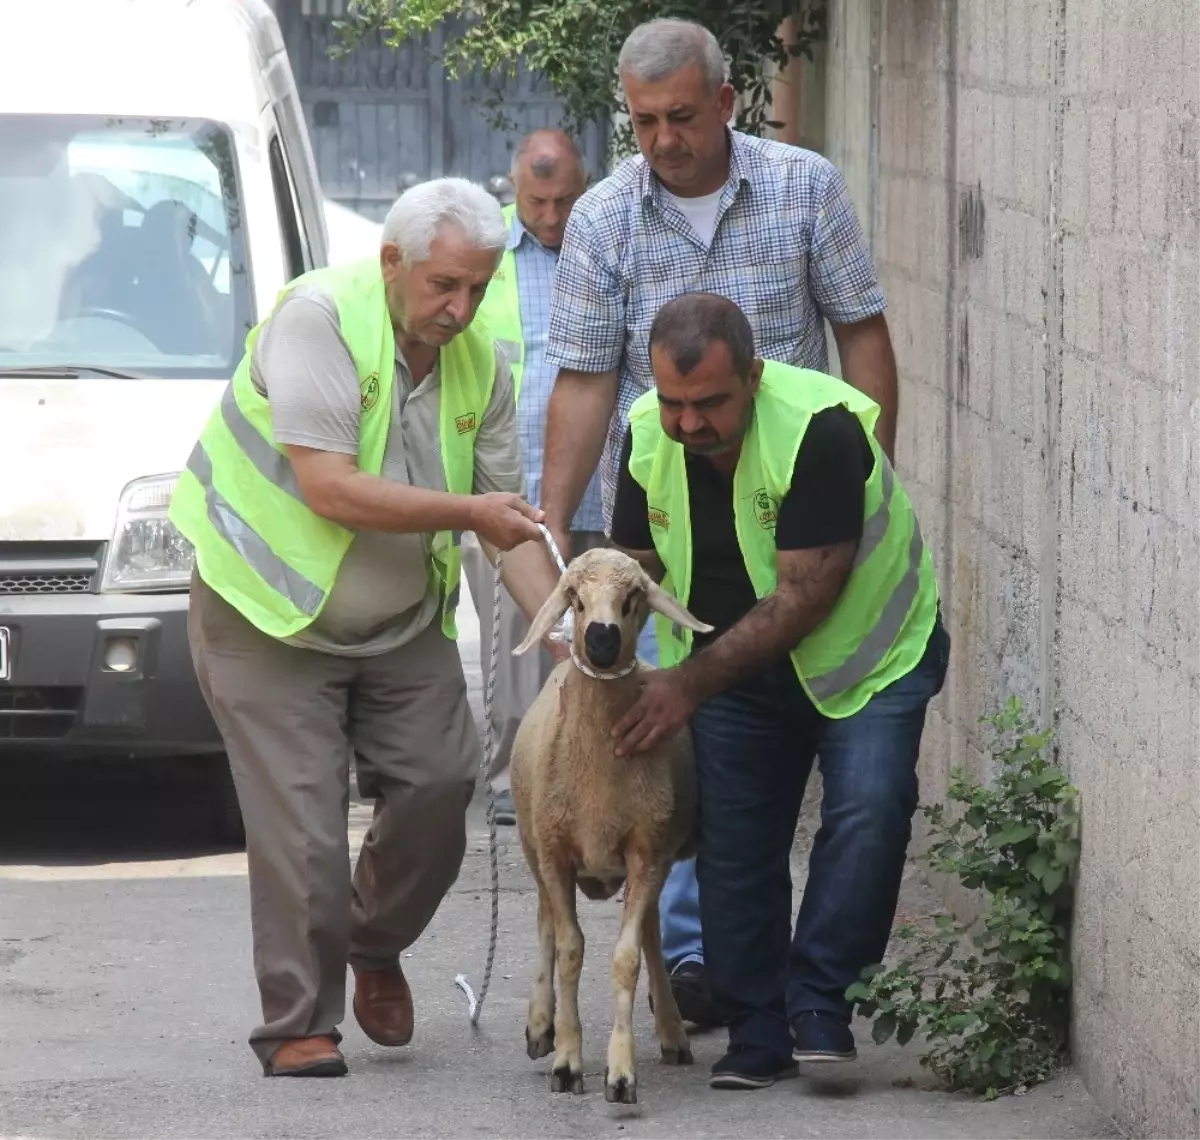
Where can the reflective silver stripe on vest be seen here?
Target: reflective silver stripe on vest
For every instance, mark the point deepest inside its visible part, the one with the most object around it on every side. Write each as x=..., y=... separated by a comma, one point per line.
x=876, y=527
x=272, y=465
x=510, y=350
x=251, y=545
x=871, y=650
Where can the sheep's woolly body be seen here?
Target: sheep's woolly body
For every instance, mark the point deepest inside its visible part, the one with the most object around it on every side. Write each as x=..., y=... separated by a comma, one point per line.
x=590, y=805
x=590, y=819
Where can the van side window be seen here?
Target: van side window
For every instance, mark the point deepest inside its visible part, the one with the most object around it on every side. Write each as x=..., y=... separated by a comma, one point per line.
x=293, y=245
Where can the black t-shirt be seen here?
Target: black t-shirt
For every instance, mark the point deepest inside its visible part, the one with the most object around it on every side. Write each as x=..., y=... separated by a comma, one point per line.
x=823, y=506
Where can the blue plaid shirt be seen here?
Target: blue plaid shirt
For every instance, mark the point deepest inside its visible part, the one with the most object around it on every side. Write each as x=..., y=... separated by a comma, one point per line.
x=787, y=248
x=535, y=266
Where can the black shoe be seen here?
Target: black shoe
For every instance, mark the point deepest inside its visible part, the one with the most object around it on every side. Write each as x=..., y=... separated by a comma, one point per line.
x=689, y=984
x=506, y=812
x=822, y=1037
x=749, y=1067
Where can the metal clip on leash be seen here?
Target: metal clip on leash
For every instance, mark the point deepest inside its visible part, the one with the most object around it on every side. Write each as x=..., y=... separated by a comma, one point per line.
x=562, y=633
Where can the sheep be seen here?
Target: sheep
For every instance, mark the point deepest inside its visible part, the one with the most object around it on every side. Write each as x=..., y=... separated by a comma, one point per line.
x=591, y=819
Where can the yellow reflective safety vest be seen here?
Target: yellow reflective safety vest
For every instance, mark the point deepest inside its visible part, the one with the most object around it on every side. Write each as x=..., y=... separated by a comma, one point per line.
x=500, y=310
x=238, y=502
x=878, y=629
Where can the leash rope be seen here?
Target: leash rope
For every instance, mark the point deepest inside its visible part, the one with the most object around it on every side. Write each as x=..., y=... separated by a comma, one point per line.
x=475, y=1004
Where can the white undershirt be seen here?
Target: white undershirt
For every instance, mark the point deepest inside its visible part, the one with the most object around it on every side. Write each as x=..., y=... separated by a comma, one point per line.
x=700, y=212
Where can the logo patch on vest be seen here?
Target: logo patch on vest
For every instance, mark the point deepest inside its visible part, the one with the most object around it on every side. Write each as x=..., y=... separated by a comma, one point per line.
x=369, y=392
x=464, y=424
x=658, y=518
x=766, y=510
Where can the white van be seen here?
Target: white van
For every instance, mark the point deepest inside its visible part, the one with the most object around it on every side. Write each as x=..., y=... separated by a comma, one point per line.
x=157, y=189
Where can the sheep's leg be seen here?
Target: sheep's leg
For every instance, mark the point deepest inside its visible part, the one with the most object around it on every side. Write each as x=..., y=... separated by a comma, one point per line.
x=566, y=1075
x=641, y=886
x=539, y=1032
x=668, y=1025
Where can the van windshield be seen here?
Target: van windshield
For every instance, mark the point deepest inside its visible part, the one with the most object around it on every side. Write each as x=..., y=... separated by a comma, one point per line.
x=121, y=247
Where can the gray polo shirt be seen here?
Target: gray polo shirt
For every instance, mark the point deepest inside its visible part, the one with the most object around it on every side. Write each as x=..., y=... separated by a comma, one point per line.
x=382, y=597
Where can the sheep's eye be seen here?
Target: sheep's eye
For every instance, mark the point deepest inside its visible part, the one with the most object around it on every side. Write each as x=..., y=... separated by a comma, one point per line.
x=573, y=598
x=627, y=604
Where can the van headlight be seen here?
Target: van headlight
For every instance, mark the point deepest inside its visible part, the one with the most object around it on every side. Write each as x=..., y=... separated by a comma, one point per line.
x=146, y=551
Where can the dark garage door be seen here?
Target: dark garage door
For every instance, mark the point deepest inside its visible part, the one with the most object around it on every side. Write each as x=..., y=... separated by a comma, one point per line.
x=381, y=119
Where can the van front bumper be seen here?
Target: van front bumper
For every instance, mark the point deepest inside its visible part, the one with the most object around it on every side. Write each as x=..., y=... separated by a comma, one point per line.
x=101, y=675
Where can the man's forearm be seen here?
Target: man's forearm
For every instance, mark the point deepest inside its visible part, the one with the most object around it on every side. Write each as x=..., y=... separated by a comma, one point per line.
x=577, y=419
x=359, y=501
x=774, y=627
x=528, y=573
x=648, y=560
x=869, y=364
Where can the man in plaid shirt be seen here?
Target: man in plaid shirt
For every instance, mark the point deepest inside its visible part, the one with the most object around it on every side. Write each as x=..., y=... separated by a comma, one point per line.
x=702, y=209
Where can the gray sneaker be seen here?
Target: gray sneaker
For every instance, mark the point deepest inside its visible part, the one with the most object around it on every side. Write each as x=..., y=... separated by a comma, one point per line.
x=506, y=812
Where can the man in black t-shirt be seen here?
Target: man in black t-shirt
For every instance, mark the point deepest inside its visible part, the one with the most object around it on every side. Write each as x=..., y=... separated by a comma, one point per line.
x=824, y=506
x=836, y=654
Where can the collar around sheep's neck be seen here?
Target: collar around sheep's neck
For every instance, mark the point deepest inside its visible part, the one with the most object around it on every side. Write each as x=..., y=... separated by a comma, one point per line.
x=596, y=674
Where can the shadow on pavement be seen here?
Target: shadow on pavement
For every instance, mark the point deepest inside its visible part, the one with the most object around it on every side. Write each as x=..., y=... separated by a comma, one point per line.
x=64, y=813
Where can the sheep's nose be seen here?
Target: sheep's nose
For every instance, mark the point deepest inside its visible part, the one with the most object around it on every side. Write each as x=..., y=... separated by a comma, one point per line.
x=603, y=643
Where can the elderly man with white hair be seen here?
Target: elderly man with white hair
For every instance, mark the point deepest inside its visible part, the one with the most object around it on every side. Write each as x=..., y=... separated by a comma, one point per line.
x=368, y=425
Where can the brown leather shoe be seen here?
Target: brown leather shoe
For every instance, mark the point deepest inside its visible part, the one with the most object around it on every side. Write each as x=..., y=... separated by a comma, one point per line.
x=383, y=1005
x=307, y=1057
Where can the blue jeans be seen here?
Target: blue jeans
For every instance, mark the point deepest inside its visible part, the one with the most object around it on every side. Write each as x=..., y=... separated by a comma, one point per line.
x=754, y=750
x=679, y=903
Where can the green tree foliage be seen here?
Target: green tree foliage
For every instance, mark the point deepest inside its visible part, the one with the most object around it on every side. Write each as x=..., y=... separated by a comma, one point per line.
x=574, y=44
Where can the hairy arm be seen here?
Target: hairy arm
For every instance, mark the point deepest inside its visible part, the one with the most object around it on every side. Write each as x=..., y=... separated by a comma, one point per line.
x=845, y=286
x=528, y=573
x=648, y=559
x=577, y=420
x=808, y=587
x=337, y=490
x=868, y=363
x=585, y=341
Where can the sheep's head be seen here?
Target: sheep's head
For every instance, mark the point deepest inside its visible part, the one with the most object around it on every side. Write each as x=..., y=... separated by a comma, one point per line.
x=611, y=596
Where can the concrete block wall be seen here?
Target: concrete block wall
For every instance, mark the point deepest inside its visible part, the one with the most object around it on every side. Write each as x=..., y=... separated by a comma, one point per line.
x=1028, y=172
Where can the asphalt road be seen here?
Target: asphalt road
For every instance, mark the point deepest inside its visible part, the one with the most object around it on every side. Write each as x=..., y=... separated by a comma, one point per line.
x=126, y=993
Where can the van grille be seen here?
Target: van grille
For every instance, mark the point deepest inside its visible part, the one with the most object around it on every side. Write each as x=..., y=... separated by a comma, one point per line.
x=49, y=567
x=45, y=583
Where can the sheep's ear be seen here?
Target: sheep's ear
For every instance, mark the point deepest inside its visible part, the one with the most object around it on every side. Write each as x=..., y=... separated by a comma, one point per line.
x=666, y=605
x=546, y=618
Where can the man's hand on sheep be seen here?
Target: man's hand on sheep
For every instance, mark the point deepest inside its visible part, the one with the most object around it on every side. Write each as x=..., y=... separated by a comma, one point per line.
x=665, y=705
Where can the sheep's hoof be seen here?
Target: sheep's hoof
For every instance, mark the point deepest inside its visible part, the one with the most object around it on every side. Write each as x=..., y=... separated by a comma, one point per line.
x=677, y=1054
x=541, y=1046
x=563, y=1080
x=621, y=1091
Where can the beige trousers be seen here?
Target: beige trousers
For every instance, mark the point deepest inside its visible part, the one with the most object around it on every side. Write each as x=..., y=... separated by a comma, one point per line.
x=290, y=719
x=518, y=679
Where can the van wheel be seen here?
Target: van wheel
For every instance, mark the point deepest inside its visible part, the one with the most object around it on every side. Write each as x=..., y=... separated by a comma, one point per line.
x=224, y=813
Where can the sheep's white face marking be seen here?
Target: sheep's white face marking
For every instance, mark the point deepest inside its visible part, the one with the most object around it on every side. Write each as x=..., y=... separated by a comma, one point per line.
x=611, y=596
x=611, y=606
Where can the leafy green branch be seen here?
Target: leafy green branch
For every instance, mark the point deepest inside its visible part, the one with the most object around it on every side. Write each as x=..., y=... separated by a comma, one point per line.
x=992, y=1000
x=574, y=45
